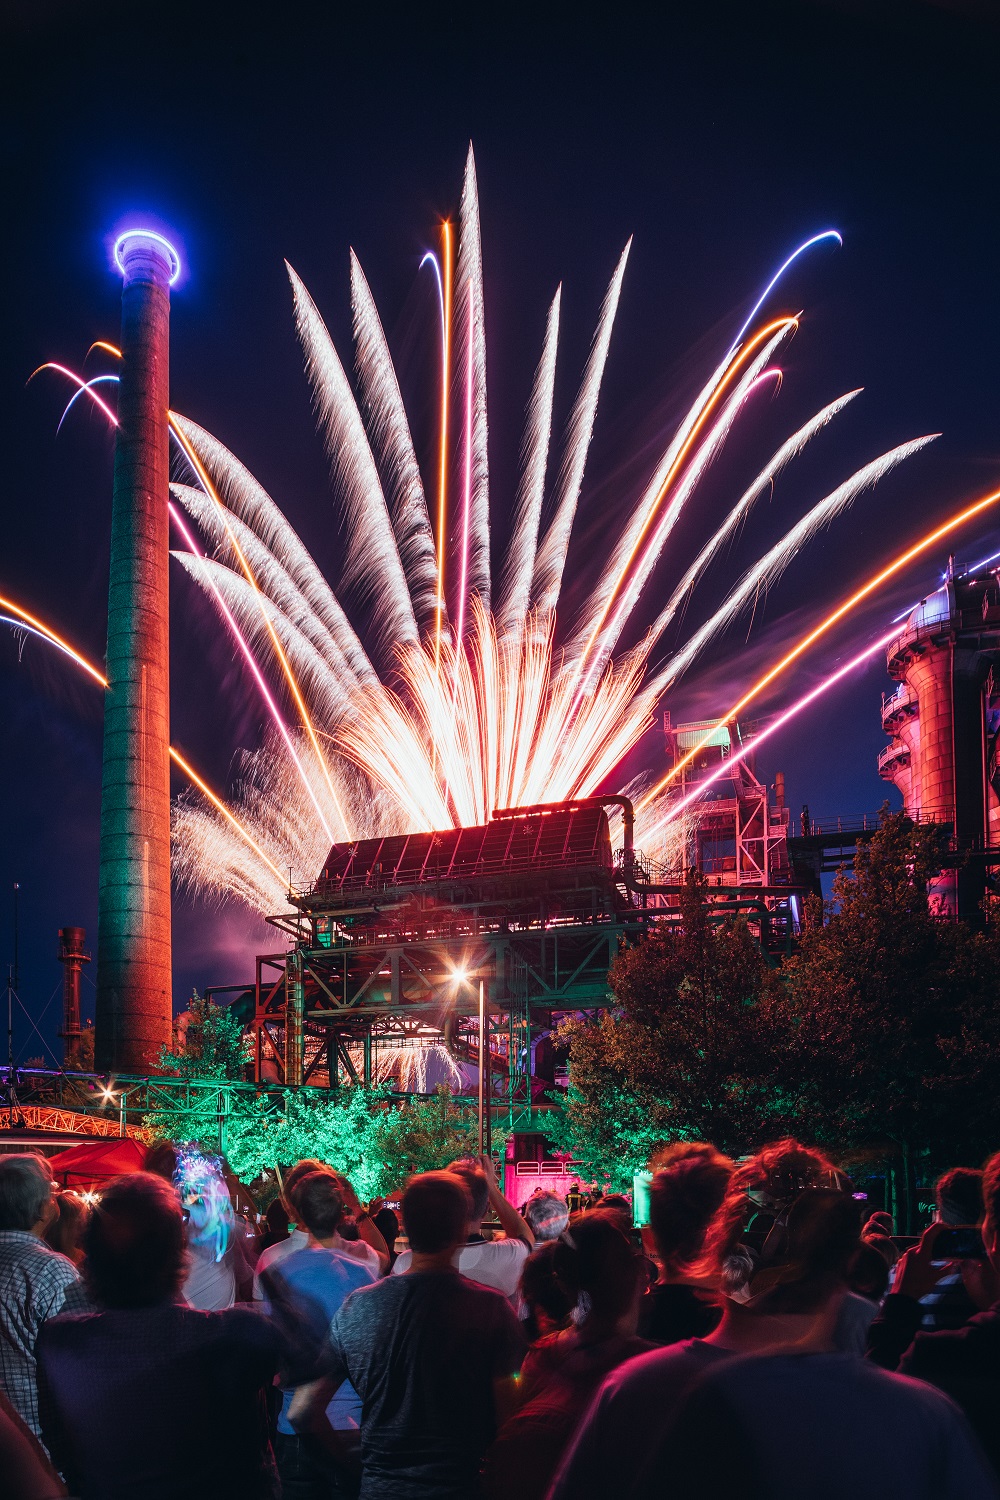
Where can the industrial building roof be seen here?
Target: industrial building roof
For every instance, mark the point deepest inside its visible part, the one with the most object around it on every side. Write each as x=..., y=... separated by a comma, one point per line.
x=565, y=837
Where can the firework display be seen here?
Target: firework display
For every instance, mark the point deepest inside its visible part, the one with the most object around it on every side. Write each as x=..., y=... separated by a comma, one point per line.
x=438, y=683
x=426, y=692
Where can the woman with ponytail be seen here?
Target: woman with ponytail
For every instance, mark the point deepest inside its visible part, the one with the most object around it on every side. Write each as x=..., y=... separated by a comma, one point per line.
x=603, y=1277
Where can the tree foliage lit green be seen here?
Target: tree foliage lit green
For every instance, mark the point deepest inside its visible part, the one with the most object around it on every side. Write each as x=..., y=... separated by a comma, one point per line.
x=209, y=1046
x=374, y=1141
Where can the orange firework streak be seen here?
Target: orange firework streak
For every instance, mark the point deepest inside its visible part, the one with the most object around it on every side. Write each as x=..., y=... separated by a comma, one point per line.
x=175, y=755
x=710, y=405
x=54, y=637
x=307, y=723
x=821, y=629
x=443, y=463
x=217, y=802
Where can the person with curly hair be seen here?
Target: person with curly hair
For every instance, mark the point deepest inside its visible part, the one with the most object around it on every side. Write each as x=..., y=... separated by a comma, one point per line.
x=689, y=1182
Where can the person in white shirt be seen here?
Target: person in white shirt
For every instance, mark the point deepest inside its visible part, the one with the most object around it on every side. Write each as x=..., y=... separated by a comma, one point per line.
x=369, y=1249
x=494, y=1263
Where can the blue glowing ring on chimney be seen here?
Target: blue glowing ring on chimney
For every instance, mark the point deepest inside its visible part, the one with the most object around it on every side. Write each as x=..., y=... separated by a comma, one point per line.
x=148, y=234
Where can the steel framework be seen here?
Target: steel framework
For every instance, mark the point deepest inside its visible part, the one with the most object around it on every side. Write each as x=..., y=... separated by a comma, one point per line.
x=391, y=941
x=388, y=945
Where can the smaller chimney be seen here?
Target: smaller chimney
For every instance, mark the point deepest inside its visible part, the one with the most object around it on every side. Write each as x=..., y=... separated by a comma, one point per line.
x=72, y=955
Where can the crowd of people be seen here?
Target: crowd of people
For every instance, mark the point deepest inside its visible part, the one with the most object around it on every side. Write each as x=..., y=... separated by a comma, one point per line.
x=760, y=1337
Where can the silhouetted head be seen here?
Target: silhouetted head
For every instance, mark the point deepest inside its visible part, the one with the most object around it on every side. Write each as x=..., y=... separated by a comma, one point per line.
x=437, y=1208
x=134, y=1243
x=958, y=1196
x=479, y=1189
x=25, y=1192
x=319, y=1203
x=65, y=1233
x=689, y=1183
x=547, y=1216
x=304, y=1168
x=595, y=1260
x=868, y=1274
x=786, y=1231
x=547, y=1302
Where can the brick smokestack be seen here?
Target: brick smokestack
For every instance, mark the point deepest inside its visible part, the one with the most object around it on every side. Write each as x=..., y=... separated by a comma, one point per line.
x=133, y=933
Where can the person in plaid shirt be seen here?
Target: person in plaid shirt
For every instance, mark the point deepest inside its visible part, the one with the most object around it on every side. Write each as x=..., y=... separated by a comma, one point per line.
x=33, y=1278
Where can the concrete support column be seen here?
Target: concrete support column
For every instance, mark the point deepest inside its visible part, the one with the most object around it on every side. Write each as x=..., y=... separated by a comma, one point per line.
x=134, y=1005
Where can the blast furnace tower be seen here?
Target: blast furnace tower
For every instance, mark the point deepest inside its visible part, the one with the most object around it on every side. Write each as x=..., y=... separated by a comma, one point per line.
x=943, y=721
x=133, y=933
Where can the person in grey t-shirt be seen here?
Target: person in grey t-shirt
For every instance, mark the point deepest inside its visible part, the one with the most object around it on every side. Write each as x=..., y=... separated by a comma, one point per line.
x=432, y=1356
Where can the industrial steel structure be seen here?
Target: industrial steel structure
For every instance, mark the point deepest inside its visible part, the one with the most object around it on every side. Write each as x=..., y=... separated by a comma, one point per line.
x=388, y=945
x=392, y=939
x=72, y=955
x=943, y=720
x=737, y=836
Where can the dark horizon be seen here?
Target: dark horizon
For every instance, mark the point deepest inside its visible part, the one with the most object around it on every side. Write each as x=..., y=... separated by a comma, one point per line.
x=720, y=143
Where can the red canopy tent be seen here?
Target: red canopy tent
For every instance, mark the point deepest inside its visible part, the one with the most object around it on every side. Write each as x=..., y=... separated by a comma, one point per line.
x=93, y=1164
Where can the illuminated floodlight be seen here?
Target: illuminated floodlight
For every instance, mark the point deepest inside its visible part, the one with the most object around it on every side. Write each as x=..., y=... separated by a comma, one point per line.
x=148, y=234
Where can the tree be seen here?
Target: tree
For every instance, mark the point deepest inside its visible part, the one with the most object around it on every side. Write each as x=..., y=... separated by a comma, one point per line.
x=683, y=1051
x=424, y=1135
x=890, y=1014
x=83, y=1062
x=209, y=1042
x=343, y=1130
x=372, y=1140
x=209, y=1046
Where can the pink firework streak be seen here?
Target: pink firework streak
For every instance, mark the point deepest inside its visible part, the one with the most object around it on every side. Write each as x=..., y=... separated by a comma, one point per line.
x=779, y=723
x=258, y=675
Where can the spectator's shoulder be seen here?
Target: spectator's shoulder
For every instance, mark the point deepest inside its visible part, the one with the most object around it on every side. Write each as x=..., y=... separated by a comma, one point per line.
x=65, y=1330
x=361, y=1272
x=40, y=1257
x=489, y=1297
x=250, y=1326
x=512, y=1247
x=953, y=1348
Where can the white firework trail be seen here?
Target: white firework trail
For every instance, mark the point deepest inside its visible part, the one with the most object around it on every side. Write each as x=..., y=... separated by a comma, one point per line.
x=373, y=567
x=788, y=450
x=390, y=432
x=473, y=310
x=551, y=559
x=773, y=563
x=520, y=561
x=250, y=503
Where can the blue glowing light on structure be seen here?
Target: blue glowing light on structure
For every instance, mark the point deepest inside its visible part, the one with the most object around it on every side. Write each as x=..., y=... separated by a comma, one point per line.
x=148, y=234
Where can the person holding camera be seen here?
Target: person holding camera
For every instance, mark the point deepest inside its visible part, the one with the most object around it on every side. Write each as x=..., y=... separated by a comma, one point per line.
x=962, y=1362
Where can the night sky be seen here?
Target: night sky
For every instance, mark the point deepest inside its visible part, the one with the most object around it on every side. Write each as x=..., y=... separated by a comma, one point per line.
x=718, y=141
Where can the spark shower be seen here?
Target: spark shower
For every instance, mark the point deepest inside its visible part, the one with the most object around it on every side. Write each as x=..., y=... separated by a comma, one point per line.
x=427, y=691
